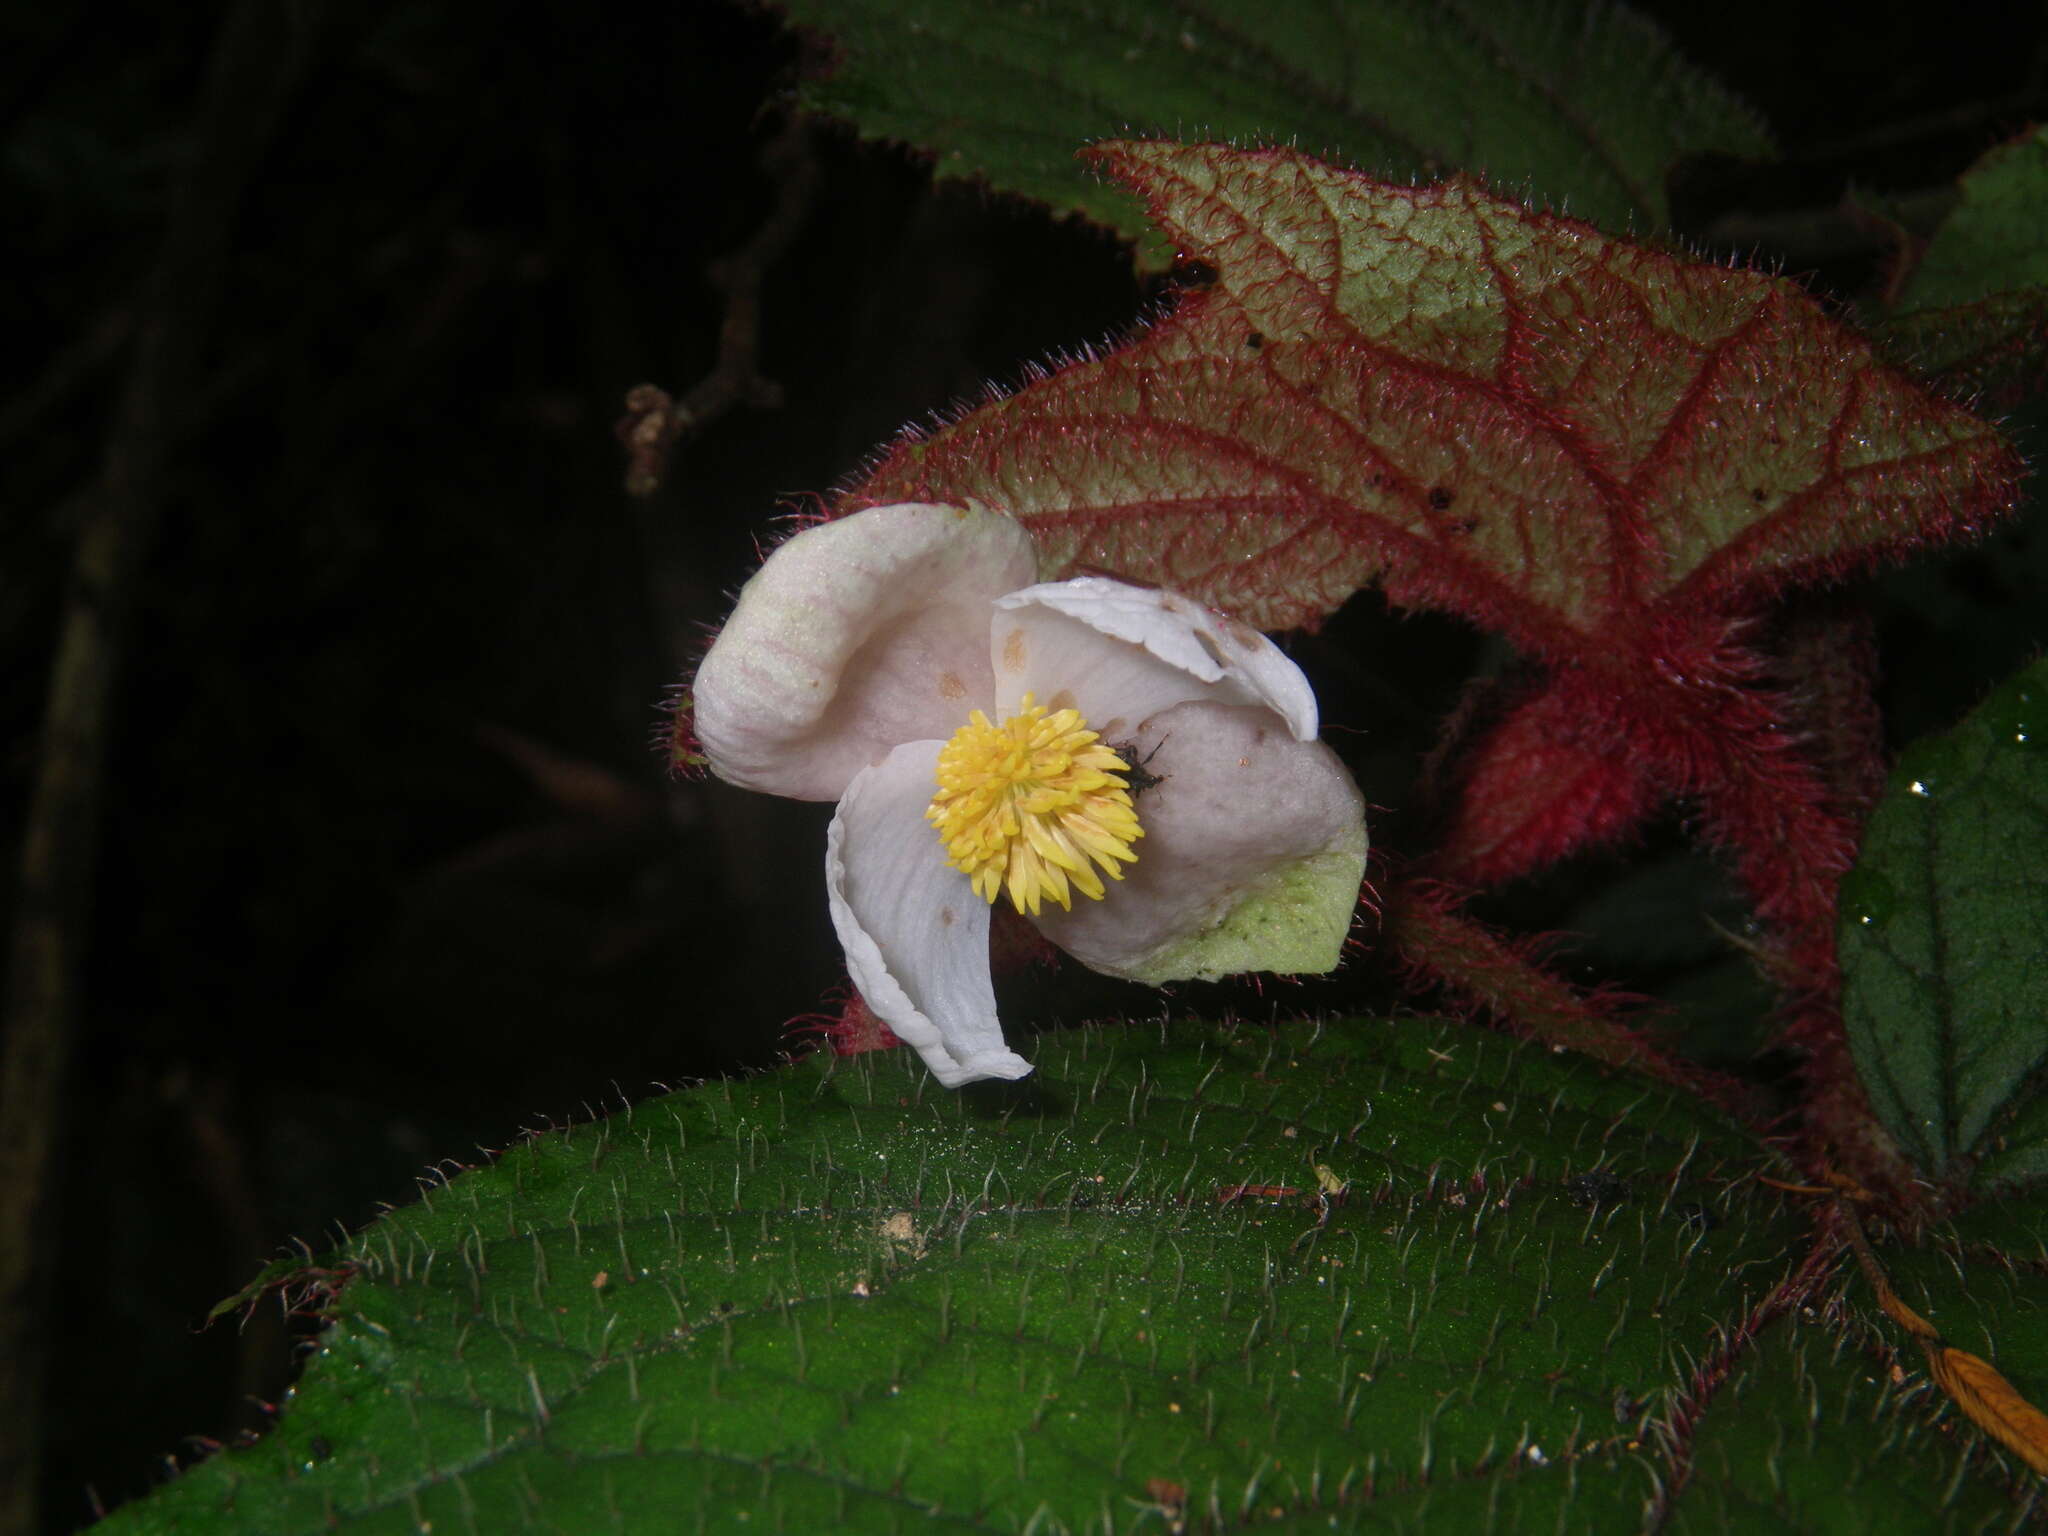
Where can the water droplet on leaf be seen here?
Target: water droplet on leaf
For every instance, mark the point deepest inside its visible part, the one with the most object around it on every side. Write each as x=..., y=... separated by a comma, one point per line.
x=2015, y=715
x=1868, y=898
x=1932, y=767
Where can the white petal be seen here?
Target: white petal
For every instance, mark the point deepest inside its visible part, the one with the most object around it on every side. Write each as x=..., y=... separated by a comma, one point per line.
x=914, y=932
x=855, y=635
x=1121, y=654
x=1253, y=851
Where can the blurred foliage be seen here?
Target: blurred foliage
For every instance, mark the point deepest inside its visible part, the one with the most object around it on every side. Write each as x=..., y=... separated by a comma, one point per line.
x=1991, y=242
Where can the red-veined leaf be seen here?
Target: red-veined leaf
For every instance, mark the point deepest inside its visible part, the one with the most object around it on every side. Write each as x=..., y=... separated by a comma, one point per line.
x=1496, y=412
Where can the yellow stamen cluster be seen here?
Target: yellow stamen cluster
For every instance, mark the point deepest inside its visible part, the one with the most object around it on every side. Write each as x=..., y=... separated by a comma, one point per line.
x=1031, y=805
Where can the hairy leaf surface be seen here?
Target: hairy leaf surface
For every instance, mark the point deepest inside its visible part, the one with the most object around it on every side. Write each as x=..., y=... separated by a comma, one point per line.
x=1944, y=942
x=1500, y=413
x=1281, y=1279
x=1583, y=105
x=1861, y=1457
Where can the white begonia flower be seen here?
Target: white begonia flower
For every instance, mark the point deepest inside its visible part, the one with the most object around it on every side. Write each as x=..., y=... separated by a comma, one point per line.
x=990, y=736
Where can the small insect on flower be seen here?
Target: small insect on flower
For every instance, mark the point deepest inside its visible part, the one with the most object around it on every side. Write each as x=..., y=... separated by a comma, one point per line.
x=906, y=662
x=1137, y=775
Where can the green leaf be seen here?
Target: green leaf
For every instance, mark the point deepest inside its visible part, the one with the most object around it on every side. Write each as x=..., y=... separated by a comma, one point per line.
x=1944, y=944
x=1577, y=104
x=831, y=1301
x=1991, y=242
x=1868, y=1453
x=1983, y=1283
x=1975, y=308
x=1980, y=1282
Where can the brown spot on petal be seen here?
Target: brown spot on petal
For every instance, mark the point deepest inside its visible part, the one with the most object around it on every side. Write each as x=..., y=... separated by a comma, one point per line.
x=946, y=918
x=1241, y=632
x=1013, y=651
x=950, y=686
x=1064, y=699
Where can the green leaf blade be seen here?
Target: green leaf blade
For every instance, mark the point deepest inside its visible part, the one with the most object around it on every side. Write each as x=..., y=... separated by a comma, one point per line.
x=1974, y=309
x=831, y=1297
x=1991, y=242
x=1578, y=105
x=968, y=1307
x=1944, y=943
x=1865, y=1455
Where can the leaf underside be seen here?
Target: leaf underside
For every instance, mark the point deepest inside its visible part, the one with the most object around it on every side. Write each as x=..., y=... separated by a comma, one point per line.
x=1944, y=944
x=1502, y=414
x=1562, y=101
x=1105, y=1299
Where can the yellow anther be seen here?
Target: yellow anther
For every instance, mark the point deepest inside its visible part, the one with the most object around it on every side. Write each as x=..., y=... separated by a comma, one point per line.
x=1032, y=806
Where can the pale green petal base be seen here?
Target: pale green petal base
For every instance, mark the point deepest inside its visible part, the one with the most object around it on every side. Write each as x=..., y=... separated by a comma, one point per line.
x=1291, y=920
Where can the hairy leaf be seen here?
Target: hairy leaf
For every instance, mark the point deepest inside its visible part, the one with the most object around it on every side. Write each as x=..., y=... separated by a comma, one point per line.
x=1298, y=1278
x=1979, y=1390
x=1993, y=350
x=1504, y=414
x=1944, y=941
x=1579, y=104
x=1865, y=1455
x=1976, y=1292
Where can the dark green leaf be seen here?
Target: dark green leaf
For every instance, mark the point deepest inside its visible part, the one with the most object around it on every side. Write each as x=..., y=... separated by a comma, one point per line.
x=1585, y=106
x=1842, y=1447
x=1975, y=308
x=1992, y=242
x=835, y=1300
x=1944, y=943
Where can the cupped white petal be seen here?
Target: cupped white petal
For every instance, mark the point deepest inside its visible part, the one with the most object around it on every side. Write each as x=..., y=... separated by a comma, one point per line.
x=1253, y=852
x=1121, y=654
x=853, y=636
x=914, y=932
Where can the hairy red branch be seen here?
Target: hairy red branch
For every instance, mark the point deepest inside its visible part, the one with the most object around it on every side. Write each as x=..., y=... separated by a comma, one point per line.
x=1437, y=946
x=1775, y=759
x=1681, y=1425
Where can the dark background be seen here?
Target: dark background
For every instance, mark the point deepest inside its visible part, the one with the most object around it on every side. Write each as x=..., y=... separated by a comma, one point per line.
x=389, y=870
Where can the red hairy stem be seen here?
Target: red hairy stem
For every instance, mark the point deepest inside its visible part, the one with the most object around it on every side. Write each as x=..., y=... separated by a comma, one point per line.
x=847, y=1025
x=1555, y=776
x=1436, y=945
x=1680, y=1427
x=1584, y=759
x=1827, y=667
